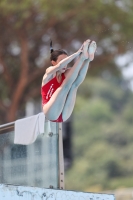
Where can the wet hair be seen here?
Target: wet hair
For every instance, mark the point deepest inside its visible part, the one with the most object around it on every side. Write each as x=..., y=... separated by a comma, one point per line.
x=56, y=53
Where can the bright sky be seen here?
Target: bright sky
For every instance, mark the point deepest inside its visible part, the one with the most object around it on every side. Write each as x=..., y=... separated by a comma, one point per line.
x=125, y=63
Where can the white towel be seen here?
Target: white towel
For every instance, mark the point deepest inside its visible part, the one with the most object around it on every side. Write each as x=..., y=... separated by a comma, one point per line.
x=27, y=129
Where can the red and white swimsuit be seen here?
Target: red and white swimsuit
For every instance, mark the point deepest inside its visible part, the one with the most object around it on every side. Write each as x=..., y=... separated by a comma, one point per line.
x=47, y=91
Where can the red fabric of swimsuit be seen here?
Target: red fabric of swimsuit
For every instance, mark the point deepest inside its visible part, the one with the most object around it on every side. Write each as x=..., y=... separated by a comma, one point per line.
x=47, y=91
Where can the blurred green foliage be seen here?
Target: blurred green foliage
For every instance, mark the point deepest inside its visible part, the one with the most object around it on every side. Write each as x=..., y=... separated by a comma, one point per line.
x=103, y=137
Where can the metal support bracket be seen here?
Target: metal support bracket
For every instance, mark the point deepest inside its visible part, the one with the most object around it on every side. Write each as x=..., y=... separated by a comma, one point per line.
x=61, y=159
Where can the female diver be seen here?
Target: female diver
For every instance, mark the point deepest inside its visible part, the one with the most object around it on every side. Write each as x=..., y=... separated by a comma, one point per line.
x=60, y=82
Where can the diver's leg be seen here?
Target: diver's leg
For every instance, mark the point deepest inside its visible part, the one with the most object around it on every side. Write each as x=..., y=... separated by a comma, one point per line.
x=71, y=97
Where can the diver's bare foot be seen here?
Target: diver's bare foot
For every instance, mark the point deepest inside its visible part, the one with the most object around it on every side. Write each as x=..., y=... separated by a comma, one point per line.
x=91, y=50
x=85, y=49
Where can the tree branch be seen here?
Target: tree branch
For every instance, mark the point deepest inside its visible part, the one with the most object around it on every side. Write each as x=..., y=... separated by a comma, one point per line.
x=6, y=73
x=22, y=83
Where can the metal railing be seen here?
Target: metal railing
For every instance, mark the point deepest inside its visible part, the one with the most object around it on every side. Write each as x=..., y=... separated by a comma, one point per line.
x=56, y=138
x=7, y=126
